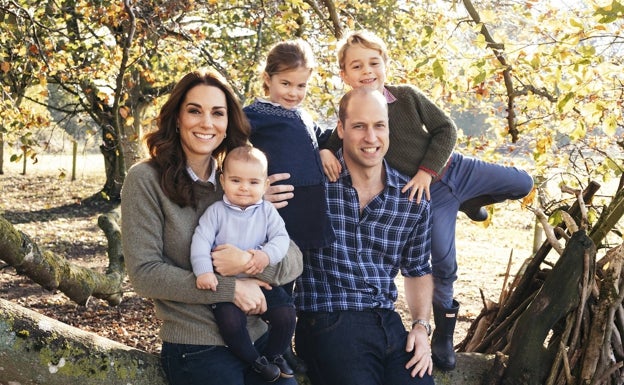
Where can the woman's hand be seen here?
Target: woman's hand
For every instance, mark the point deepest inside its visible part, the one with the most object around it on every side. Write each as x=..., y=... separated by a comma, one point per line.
x=331, y=165
x=279, y=194
x=248, y=297
x=419, y=184
x=229, y=260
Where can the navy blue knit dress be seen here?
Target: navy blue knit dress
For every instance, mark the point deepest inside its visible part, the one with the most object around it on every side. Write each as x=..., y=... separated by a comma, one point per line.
x=290, y=139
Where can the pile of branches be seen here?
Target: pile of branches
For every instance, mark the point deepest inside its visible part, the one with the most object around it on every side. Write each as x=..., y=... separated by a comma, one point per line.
x=559, y=323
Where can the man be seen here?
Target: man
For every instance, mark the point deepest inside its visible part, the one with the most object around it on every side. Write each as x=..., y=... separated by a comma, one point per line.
x=348, y=331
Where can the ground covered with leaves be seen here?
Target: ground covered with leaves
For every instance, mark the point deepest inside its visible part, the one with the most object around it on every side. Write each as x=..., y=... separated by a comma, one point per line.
x=58, y=214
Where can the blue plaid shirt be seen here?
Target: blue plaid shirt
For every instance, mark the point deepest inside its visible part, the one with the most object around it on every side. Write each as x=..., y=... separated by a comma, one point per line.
x=357, y=271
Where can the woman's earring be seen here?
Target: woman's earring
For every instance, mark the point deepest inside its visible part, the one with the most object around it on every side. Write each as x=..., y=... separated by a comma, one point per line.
x=177, y=128
x=225, y=135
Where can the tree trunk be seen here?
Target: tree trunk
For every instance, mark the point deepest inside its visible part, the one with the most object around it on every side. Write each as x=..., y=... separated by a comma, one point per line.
x=37, y=350
x=1, y=153
x=54, y=272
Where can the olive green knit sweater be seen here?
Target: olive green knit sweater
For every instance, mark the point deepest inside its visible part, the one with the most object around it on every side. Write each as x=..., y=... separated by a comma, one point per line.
x=156, y=240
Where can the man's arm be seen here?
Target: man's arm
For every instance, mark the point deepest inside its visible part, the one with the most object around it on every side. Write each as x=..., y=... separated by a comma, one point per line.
x=419, y=295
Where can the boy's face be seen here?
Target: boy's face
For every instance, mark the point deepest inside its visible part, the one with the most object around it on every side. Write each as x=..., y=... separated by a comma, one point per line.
x=363, y=67
x=244, y=183
x=288, y=88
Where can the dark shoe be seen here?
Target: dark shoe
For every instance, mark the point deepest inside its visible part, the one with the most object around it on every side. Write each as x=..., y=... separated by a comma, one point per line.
x=442, y=349
x=296, y=363
x=267, y=371
x=474, y=207
x=285, y=369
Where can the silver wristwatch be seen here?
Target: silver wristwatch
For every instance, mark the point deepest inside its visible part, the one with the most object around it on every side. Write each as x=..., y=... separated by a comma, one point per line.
x=423, y=323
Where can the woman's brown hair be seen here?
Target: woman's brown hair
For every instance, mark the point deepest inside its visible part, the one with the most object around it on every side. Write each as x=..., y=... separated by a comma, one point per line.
x=164, y=144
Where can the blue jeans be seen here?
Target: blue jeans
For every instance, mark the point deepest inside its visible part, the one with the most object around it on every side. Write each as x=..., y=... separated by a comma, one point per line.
x=465, y=178
x=210, y=365
x=355, y=348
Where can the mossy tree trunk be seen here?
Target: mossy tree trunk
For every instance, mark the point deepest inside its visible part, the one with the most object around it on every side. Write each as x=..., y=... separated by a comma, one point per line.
x=55, y=272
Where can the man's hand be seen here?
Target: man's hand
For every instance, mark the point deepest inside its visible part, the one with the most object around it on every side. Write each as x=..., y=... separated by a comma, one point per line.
x=281, y=193
x=418, y=344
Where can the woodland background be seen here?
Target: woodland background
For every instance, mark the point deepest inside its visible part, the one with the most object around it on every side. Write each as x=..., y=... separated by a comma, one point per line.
x=537, y=84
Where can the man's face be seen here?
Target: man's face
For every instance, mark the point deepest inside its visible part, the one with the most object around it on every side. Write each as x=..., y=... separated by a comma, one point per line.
x=365, y=132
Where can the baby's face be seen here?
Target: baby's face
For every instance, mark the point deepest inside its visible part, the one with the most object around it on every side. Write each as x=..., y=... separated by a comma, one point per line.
x=244, y=183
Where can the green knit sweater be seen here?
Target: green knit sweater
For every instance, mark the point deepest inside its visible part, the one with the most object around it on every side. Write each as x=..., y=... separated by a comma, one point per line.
x=422, y=135
x=156, y=239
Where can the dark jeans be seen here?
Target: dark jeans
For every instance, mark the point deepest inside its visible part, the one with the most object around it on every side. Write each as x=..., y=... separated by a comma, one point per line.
x=210, y=365
x=355, y=348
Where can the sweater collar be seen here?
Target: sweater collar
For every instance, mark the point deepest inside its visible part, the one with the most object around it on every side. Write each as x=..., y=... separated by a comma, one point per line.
x=263, y=100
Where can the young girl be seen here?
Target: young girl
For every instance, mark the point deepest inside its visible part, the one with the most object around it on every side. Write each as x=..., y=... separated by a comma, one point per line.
x=290, y=139
x=288, y=136
x=422, y=138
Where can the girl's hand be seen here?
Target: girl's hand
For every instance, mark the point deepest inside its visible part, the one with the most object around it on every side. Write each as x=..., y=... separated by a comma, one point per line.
x=331, y=165
x=419, y=184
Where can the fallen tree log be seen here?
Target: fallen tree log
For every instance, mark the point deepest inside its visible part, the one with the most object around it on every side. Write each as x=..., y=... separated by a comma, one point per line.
x=38, y=350
x=55, y=272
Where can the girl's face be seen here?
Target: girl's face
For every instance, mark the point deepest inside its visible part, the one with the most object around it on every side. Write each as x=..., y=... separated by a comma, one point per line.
x=364, y=67
x=288, y=88
x=202, y=121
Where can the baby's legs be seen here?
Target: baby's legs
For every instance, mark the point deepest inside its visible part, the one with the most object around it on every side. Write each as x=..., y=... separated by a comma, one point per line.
x=232, y=323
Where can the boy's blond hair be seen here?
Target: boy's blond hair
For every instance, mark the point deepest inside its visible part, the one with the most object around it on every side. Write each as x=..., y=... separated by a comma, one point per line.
x=364, y=38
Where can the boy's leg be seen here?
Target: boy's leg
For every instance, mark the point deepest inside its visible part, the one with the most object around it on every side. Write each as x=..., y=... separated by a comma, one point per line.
x=476, y=183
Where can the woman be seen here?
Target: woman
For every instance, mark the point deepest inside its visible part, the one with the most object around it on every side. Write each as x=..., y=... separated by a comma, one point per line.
x=162, y=200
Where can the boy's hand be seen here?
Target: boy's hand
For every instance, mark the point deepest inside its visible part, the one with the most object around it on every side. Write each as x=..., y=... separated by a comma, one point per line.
x=259, y=260
x=331, y=165
x=419, y=184
x=207, y=281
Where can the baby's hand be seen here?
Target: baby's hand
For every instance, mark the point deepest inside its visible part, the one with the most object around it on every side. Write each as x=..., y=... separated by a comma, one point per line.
x=259, y=260
x=331, y=165
x=207, y=281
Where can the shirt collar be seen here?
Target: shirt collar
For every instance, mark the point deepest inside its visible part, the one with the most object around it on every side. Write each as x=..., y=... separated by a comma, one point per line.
x=238, y=208
x=213, y=174
x=388, y=95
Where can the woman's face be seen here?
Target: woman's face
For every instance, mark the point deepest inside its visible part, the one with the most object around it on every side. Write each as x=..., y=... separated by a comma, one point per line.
x=202, y=121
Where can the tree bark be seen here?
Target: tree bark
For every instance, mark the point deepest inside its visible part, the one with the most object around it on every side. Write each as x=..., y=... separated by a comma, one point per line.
x=54, y=272
x=529, y=361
